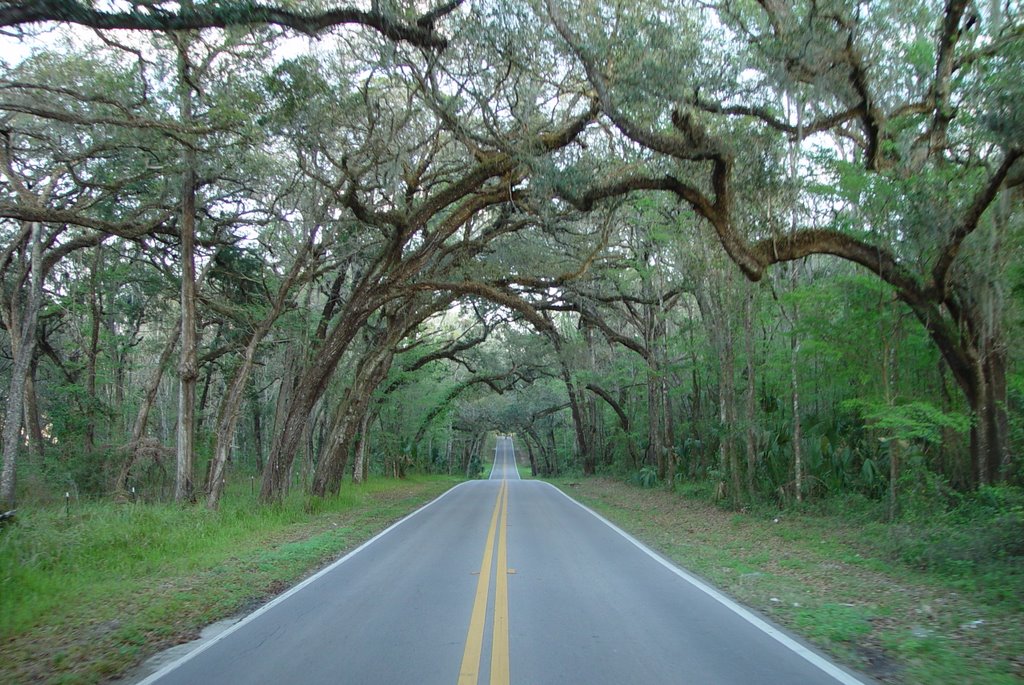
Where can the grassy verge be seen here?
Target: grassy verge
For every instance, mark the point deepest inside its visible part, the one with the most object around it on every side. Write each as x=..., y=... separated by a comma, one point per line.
x=87, y=595
x=834, y=580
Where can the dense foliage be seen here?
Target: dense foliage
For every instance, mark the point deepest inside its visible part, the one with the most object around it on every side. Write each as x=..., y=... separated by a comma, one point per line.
x=773, y=247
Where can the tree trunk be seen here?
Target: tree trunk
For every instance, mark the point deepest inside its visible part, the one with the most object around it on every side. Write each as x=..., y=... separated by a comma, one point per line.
x=576, y=401
x=330, y=469
x=314, y=379
x=553, y=451
x=794, y=320
x=231, y=405
x=592, y=418
x=533, y=460
x=544, y=463
x=23, y=341
x=751, y=398
x=188, y=368
x=227, y=419
x=92, y=354
x=798, y=451
x=33, y=422
x=971, y=345
x=999, y=455
x=467, y=456
x=729, y=460
x=654, y=448
x=623, y=420
x=309, y=444
x=716, y=315
x=355, y=407
x=798, y=468
x=893, y=447
x=584, y=432
x=360, y=467
x=449, y=450
x=697, y=419
x=670, y=435
x=148, y=400
x=257, y=428
x=309, y=386
x=204, y=394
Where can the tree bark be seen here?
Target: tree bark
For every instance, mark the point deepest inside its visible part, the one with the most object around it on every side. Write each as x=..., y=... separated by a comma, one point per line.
x=371, y=371
x=33, y=421
x=22, y=332
x=716, y=316
x=794, y=352
x=655, y=453
x=360, y=468
x=92, y=354
x=670, y=434
x=576, y=402
x=204, y=394
x=230, y=410
x=348, y=425
x=623, y=420
x=188, y=366
x=533, y=460
x=553, y=450
x=231, y=404
x=751, y=398
x=148, y=400
x=310, y=384
x=544, y=467
x=729, y=457
x=257, y=428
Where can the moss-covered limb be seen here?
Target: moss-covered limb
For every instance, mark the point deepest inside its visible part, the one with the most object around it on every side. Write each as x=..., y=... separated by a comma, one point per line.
x=225, y=14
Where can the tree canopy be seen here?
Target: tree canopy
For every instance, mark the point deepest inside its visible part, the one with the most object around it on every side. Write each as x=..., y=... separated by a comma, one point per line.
x=774, y=245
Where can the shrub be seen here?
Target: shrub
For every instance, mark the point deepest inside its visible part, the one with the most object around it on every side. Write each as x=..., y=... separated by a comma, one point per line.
x=972, y=530
x=646, y=477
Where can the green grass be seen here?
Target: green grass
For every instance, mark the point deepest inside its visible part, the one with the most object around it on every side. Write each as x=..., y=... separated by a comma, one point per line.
x=841, y=580
x=85, y=596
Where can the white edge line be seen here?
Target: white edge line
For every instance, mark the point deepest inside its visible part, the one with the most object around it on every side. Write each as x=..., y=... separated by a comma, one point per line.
x=494, y=462
x=511, y=447
x=515, y=462
x=152, y=678
x=813, y=657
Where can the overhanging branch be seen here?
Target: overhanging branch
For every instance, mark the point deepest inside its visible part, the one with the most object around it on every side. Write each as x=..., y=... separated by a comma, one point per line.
x=224, y=14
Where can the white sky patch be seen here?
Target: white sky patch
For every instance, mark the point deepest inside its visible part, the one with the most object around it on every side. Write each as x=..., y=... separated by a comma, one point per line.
x=291, y=47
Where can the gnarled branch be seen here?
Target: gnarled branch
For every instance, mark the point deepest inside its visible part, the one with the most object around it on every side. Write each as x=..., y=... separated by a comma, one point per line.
x=225, y=14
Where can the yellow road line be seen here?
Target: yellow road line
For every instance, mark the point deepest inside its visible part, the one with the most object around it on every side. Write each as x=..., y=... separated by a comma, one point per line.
x=469, y=671
x=499, y=639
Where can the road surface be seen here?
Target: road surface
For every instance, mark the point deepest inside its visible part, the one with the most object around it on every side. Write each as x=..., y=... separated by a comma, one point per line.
x=503, y=581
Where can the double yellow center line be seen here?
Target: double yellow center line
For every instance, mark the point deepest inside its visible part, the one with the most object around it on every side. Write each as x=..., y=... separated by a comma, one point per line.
x=469, y=673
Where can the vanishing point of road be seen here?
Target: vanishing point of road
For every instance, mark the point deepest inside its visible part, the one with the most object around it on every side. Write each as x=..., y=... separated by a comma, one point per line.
x=503, y=581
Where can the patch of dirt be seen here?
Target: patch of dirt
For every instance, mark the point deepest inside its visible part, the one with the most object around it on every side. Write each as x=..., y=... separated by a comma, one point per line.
x=878, y=665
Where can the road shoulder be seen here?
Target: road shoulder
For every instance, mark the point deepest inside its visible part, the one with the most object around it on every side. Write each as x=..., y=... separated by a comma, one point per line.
x=808, y=574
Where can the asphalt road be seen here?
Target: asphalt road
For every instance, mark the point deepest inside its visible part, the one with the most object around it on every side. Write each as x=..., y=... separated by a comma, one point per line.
x=503, y=581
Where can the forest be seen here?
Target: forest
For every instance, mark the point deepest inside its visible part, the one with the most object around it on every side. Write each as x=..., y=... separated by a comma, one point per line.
x=772, y=247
